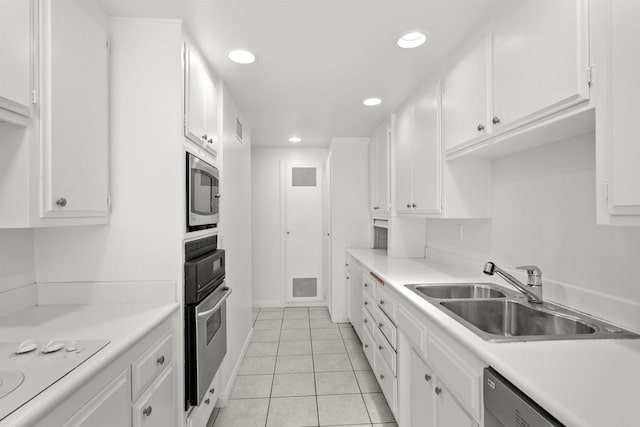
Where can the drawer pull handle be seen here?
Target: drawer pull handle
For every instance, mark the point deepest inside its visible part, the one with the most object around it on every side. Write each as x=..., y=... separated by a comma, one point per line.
x=366, y=346
x=381, y=376
x=160, y=360
x=365, y=320
x=380, y=325
x=427, y=377
x=147, y=410
x=379, y=347
x=207, y=401
x=438, y=391
x=348, y=277
x=213, y=390
x=381, y=302
x=366, y=285
x=366, y=302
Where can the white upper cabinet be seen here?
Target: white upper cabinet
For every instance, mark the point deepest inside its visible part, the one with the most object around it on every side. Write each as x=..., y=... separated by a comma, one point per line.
x=379, y=170
x=403, y=160
x=417, y=155
x=75, y=109
x=201, y=103
x=540, y=60
x=426, y=152
x=465, y=98
x=617, y=59
x=16, y=39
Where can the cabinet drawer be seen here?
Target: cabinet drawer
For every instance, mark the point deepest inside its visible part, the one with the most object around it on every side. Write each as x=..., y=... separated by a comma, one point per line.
x=368, y=345
x=388, y=382
x=413, y=329
x=148, y=366
x=367, y=302
x=386, y=303
x=368, y=284
x=157, y=406
x=369, y=323
x=387, y=328
x=385, y=350
x=463, y=380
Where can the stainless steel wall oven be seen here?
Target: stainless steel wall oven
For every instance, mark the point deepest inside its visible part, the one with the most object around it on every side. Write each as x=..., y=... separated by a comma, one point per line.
x=205, y=316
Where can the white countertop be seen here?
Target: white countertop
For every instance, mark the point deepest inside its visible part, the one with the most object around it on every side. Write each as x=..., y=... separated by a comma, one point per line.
x=122, y=324
x=580, y=382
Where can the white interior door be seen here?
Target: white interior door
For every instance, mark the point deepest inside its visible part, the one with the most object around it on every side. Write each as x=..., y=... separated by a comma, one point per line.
x=303, y=232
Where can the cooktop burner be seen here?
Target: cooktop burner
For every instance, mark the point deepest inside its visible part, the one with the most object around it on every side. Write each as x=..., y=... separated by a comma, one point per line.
x=30, y=367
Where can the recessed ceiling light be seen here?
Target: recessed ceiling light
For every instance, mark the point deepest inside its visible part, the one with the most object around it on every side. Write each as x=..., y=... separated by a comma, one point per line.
x=372, y=102
x=242, y=56
x=412, y=39
x=295, y=139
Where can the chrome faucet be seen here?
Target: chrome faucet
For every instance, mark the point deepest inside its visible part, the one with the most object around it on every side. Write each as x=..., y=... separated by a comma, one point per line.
x=533, y=288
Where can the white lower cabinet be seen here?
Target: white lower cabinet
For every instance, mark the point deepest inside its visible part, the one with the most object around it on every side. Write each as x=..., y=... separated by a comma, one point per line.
x=421, y=392
x=157, y=407
x=354, y=288
x=108, y=408
x=448, y=411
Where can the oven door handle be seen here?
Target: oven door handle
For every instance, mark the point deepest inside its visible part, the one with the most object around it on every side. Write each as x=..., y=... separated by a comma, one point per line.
x=217, y=306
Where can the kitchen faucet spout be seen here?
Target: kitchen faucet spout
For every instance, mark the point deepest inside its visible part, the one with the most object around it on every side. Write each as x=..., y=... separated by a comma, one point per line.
x=532, y=290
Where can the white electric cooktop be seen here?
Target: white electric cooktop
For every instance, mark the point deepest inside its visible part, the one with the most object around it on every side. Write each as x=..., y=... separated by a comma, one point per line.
x=30, y=367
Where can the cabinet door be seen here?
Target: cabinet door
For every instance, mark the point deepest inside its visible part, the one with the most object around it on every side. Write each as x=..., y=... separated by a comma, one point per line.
x=211, y=115
x=403, y=161
x=158, y=406
x=197, y=88
x=449, y=412
x=465, y=98
x=618, y=111
x=373, y=174
x=355, y=301
x=75, y=110
x=540, y=59
x=382, y=169
x=108, y=408
x=16, y=53
x=426, y=153
x=421, y=393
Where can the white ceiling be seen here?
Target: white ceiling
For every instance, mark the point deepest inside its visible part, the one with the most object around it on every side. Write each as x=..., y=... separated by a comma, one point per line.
x=318, y=59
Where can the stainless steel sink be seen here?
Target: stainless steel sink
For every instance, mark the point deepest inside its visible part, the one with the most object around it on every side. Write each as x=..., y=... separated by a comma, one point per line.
x=499, y=314
x=458, y=291
x=512, y=319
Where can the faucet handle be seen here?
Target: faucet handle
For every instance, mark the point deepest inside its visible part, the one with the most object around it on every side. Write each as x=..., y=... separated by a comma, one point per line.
x=534, y=274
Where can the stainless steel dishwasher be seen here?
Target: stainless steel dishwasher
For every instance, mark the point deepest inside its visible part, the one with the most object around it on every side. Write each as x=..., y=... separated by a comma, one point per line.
x=506, y=406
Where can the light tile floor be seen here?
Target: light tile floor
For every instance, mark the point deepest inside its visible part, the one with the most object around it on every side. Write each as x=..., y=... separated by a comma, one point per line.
x=303, y=370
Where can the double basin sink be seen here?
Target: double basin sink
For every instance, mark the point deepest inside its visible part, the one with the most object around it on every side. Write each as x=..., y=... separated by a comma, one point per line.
x=499, y=314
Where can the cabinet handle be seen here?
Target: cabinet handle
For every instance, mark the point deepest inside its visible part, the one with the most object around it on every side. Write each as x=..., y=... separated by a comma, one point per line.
x=217, y=195
x=379, y=347
x=160, y=360
x=496, y=120
x=207, y=401
x=365, y=320
x=414, y=205
x=408, y=205
x=204, y=136
x=380, y=325
x=61, y=202
x=366, y=285
x=438, y=391
x=427, y=377
x=212, y=390
x=480, y=127
x=366, y=302
x=210, y=141
x=147, y=410
x=381, y=376
x=348, y=277
x=366, y=346
x=381, y=302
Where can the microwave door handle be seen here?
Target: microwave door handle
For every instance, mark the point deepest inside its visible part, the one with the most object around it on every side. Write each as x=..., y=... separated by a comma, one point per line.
x=217, y=306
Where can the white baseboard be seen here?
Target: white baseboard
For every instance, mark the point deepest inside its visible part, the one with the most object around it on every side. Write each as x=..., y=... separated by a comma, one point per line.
x=223, y=399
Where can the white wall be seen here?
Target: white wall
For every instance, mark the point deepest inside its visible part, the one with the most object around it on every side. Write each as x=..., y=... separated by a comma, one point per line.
x=235, y=231
x=17, y=270
x=544, y=214
x=265, y=208
x=143, y=241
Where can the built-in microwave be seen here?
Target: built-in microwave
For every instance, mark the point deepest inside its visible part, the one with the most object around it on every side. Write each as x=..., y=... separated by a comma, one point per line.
x=203, y=194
